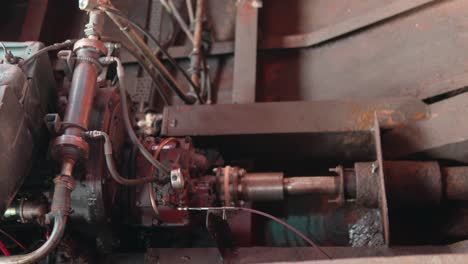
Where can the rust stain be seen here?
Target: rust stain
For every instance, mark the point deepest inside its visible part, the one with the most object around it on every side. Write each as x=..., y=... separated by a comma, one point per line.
x=365, y=120
x=419, y=116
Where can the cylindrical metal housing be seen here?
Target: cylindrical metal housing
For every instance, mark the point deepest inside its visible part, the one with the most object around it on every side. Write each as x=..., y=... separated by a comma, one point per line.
x=83, y=88
x=70, y=145
x=261, y=187
x=456, y=183
x=310, y=185
x=411, y=183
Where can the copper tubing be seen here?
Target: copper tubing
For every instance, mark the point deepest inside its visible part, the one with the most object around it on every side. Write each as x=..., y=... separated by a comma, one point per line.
x=308, y=185
x=152, y=195
x=197, y=52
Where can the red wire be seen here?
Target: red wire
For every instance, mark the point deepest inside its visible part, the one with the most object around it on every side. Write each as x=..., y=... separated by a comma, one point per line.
x=4, y=249
x=13, y=239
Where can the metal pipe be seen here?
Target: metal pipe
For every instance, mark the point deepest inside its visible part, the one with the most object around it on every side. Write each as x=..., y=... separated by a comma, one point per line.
x=83, y=89
x=110, y=161
x=455, y=183
x=190, y=11
x=180, y=20
x=63, y=187
x=67, y=167
x=40, y=253
x=261, y=187
x=197, y=53
x=27, y=210
x=310, y=185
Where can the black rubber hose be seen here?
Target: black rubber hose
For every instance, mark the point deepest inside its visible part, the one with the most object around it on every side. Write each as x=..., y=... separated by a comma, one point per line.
x=145, y=66
x=162, y=49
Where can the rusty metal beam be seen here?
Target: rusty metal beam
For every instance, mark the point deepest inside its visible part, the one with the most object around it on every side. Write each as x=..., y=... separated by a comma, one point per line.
x=245, y=53
x=315, y=37
x=34, y=20
x=442, y=136
x=290, y=117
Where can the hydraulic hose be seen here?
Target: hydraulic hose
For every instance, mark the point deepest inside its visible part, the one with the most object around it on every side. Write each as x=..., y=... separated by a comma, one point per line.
x=128, y=125
x=110, y=161
x=64, y=185
x=141, y=47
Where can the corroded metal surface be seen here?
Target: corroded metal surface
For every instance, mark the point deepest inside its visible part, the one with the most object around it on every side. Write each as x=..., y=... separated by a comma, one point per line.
x=444, y=135
x=411, y=183
x=293, y=117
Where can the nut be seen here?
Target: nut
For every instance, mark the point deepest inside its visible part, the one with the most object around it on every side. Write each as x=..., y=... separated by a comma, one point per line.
x=177, y=179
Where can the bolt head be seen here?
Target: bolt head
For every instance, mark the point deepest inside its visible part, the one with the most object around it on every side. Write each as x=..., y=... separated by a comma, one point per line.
x=257, y=4
x=173, y=123
x=83, y=4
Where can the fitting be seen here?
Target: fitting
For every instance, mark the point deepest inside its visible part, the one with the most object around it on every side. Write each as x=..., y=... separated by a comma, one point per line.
x=64, y=185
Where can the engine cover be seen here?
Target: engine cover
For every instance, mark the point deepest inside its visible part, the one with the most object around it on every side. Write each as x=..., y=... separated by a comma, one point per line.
x=24, y=99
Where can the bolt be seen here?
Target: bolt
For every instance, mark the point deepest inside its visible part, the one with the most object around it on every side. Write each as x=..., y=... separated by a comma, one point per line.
x=83, y=4
x=257, y=4
x=173, y=123
x=242, y=172
x=374, y=167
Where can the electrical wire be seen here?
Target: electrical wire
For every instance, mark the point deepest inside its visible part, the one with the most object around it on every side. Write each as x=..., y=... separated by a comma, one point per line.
x=4, y=249
x=13, y=239
x=160, y=47
x=152, y=194
x=253, y=211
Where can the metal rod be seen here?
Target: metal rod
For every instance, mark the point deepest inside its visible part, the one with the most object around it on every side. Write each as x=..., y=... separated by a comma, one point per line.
x=190, y=11
x=197, y=53
x=40, y=253
x=310, y=185
x=176, y=14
